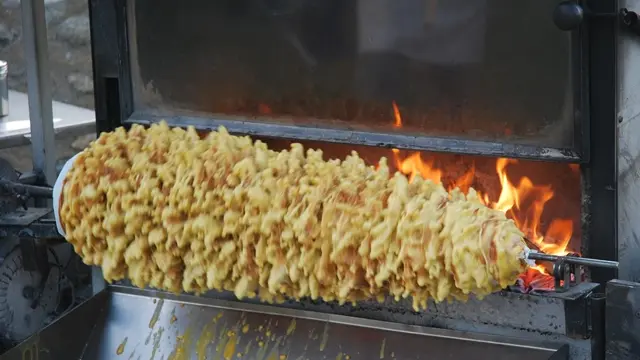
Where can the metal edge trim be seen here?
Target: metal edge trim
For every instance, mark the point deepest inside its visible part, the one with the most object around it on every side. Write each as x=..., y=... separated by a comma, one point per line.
x=600, y=174
x=386, y=140
x=337, y=319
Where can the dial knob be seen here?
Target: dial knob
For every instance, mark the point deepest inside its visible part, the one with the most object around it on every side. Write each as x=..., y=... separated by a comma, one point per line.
x=568, y=15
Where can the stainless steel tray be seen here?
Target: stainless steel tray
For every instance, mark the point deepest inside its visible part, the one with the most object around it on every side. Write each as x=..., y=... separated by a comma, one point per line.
x=129, y=323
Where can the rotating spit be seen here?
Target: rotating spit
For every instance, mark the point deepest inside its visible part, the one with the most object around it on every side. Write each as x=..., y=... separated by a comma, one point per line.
x=567, y=270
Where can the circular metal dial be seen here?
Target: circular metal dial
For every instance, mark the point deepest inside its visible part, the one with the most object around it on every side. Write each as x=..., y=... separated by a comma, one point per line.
x=17, y=287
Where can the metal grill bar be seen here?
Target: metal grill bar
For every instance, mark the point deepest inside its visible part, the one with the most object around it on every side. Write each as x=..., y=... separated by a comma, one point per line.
x=357, y=137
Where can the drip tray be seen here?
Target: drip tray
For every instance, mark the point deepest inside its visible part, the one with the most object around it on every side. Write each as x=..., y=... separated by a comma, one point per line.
x=145, y=324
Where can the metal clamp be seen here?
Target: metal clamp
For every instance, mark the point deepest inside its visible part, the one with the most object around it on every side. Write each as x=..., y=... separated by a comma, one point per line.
x=567, y=270
x=566, y=274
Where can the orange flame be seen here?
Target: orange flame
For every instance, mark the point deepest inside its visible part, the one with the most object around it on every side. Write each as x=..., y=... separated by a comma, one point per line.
x=414, y=165
x=396, y=115
x=524, y=202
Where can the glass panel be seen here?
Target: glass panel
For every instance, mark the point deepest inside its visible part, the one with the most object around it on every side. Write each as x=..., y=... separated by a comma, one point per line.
x=475, y=69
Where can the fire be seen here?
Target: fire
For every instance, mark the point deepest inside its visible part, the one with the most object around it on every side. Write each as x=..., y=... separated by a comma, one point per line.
x=396, y=115
x=523, y=202
x=414, y=165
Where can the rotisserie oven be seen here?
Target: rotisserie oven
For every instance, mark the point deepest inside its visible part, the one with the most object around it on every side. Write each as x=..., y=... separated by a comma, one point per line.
x=354, y=179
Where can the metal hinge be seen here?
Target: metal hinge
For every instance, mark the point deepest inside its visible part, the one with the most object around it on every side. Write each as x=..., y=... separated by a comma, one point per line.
x=569, y=15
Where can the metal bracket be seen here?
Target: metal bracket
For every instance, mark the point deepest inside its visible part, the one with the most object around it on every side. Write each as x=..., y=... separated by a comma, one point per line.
x=566, y=274
x=630, y=21
x=562, y=276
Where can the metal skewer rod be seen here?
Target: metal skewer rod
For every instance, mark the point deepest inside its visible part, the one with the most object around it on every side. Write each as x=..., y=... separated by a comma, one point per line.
x=23, y=189
x=574, y=260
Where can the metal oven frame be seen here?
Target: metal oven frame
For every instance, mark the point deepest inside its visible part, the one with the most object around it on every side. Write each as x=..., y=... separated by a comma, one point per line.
x=594, y=54
x=576, y=318
x=595, y=74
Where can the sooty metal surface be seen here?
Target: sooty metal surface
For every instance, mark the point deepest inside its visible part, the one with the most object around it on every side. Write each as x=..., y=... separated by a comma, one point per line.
x=137, y=323
x=441, y=65
x=623, y=320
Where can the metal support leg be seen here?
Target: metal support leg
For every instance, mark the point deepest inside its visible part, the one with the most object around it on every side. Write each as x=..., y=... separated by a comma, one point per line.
x=97, y=280
x=34, y=30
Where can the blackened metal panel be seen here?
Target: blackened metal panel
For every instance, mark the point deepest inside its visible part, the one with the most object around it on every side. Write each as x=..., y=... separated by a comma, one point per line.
x=623, y=320
x=600, y=179
x=109, y=50
x=629, y=151
x=65, y=338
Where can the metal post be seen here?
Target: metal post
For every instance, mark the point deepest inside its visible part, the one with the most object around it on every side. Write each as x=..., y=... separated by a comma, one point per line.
x=34, y=37
x=97, y=279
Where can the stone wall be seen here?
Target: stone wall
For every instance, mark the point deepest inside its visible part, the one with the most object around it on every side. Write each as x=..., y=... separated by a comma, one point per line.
x=70, y=64
x=69, y=49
